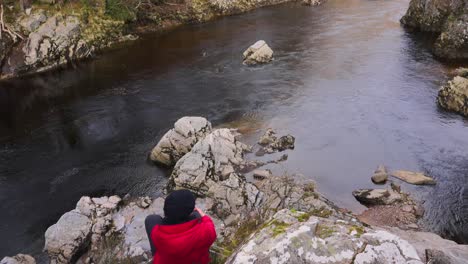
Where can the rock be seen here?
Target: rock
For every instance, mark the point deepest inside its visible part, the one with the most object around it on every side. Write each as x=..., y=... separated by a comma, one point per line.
x=18, y=259
x=144, y=202
x=258, y=53
x=67, y=237
x=6, y=45
x=55, y=41
x=431, y=248
x=178, y=141
x=462, y=72
x=270, y=143
x=312, y=2
x=377, y=196
x=413, y=177
x=32, y=22
x=261, y=174
x=380, y=175
x=285, y=239
x=268, y=138
x=447, y=18
x=454, y=95
x=86, y=206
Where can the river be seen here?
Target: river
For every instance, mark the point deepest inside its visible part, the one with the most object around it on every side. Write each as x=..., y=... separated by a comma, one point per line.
x=355, y=89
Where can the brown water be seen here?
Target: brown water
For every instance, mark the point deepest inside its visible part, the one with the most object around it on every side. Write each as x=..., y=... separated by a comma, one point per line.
x=352, y=86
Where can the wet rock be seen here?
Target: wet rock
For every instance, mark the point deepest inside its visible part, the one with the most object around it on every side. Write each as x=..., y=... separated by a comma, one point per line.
x=416, y=178
x=18, y=259
x=448, y=18
x=258, y=53
x=380, y=175
x=67, y=237
x=261, y=174
x=377, y=196
x=268, y=138
x=454, y=95
x=32, y=22
x=271, y=143
x=178, y=141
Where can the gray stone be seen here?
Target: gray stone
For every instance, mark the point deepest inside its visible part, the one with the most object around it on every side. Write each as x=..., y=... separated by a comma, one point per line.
x=380, y=175
x=416, y=178
x=54, y=41
x=261, y=174
x=377, y=196
x=178, y=141
x=268, y=138
x=447, y=18
x=69, y=235
x=454, y=95
x=32, y=22
x=18, y=259
x=258, y=53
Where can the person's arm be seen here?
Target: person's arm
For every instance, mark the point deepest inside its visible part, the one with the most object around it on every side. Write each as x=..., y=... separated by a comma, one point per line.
x=208, y=234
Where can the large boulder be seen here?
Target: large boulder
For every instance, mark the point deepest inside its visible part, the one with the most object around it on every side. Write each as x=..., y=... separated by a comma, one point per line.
x=454, y=95
x=178, y=141
x=258, y=53
x=18, y=259
x=32, y=22
x=67, y=237
x=448, y=18
x=292, y=238
x=55, y=41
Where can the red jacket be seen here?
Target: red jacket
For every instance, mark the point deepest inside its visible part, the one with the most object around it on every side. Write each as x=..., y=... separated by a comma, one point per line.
x=187, y=243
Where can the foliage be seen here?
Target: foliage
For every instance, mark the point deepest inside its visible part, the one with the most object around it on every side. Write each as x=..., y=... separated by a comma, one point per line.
x=121, y=10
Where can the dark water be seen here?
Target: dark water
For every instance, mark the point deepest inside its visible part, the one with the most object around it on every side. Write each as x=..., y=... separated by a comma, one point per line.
x=352, y=86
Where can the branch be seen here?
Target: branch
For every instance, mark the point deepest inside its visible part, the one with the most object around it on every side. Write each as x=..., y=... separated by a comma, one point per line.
x=5, y=28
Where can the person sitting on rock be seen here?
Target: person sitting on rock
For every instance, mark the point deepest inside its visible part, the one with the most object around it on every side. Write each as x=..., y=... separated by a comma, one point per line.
x=184, y=235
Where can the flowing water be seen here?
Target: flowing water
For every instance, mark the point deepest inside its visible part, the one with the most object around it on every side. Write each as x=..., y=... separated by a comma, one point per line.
x=353, y=87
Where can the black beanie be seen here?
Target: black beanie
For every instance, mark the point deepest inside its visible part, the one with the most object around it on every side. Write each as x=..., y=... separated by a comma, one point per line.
x=179, y=205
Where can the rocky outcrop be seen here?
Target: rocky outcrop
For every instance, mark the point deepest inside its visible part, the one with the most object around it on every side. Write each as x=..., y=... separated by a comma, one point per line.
x=258, y=53
x=416, y=178
x=292, y=238
x=18, y=259
x=448, y=18
x=178, y=141
x=454, y=95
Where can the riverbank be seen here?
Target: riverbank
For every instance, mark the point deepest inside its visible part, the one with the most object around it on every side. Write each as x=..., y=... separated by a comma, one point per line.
x=49, y=34
x=266, y=219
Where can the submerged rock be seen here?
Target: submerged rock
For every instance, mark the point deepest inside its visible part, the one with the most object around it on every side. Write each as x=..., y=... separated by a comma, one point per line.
x=178, y=141
x=380, y=175
x=18, y=259
x=258, y=53
x=454, y=95
x=416, y=178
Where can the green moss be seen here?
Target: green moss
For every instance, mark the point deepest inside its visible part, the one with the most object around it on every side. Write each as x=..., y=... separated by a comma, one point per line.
x=324, y=231
x=358, y=229
x=120, y=10
x=278, y=227
x=322, y=212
